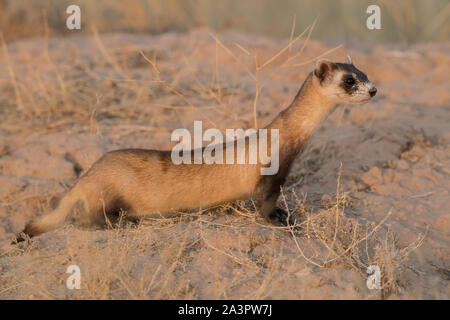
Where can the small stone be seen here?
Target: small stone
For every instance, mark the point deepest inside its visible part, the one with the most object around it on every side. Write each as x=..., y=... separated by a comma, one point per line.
x=318, y=281
x=389, y=176
x=372, y=177
x=402, y=165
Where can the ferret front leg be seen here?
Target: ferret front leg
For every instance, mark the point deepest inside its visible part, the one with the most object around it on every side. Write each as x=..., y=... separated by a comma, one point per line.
x=267, y=208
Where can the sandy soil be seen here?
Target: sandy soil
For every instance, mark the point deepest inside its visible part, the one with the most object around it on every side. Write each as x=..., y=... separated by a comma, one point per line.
x=65, y=101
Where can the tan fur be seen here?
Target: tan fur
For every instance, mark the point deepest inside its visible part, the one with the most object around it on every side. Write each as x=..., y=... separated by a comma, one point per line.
x=144, y=182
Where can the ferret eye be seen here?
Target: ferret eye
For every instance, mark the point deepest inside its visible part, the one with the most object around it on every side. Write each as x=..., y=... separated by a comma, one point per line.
x=349, y=81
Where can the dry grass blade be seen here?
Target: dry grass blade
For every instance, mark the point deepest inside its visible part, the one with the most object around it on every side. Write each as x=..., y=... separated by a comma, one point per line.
x=232, y=55
x=287, y=47
x=12, y=74
x=317, y=57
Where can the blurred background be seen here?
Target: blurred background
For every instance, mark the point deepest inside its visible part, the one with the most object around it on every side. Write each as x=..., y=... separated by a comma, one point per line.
x=341, y=20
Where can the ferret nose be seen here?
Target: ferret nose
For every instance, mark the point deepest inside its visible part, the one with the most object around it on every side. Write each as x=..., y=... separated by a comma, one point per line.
x=373, y=91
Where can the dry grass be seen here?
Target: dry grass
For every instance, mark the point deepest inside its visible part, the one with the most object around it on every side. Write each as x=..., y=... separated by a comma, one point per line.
x=170, y=258
x=409, y=20
x=222, y=253
x=337, y=239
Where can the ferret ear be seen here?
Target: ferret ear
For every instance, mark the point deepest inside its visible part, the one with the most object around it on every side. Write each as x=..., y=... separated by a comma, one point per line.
x=349, y=59
x=324, y=69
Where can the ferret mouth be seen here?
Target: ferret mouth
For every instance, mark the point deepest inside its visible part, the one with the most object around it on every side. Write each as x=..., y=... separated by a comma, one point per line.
x=367, y=99
x=361, y=100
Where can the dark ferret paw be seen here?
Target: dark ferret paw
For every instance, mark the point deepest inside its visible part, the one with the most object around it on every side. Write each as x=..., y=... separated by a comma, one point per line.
x=21, y=237
x=281, y=216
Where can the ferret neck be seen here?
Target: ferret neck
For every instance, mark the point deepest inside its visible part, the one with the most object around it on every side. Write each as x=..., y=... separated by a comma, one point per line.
x=297, y=122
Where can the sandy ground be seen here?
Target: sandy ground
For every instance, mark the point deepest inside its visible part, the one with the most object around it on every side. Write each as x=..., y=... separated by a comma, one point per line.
x=65, y=101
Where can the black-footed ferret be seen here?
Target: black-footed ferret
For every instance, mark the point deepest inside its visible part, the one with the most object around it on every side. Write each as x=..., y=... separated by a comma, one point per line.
x=143, y=182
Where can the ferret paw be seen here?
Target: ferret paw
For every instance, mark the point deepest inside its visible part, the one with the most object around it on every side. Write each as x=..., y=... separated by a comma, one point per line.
x=281, y=216
x=21, y=237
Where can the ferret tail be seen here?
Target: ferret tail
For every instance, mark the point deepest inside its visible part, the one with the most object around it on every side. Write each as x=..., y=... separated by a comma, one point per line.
x=51, y=220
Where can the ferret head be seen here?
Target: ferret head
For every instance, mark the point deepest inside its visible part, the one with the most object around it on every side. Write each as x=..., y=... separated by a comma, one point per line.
x=343, y=82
